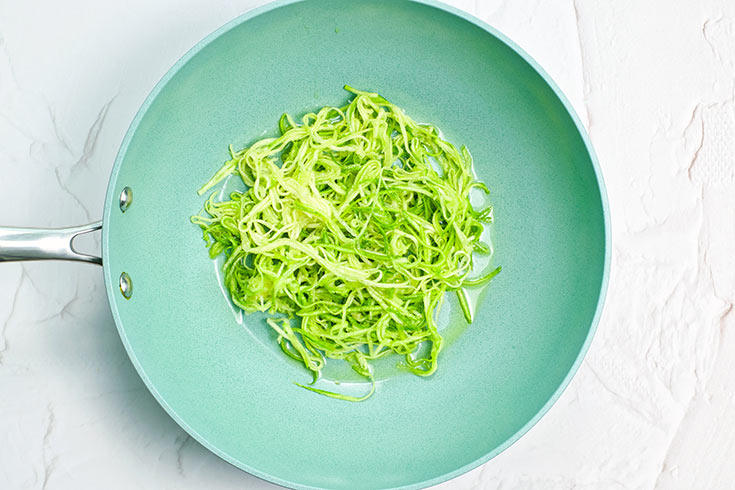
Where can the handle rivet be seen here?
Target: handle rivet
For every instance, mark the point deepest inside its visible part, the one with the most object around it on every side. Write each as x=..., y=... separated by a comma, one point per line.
x=126, y=198
x=126, y=285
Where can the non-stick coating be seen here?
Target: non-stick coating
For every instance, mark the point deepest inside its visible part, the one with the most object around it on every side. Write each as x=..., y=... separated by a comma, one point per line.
x=223, y=381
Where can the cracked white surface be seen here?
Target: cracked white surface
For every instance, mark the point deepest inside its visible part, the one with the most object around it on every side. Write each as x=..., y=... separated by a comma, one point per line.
x=652, y=405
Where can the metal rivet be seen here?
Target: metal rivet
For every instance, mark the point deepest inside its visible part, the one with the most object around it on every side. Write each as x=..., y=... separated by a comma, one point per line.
x=126, y=285
x=126, y=198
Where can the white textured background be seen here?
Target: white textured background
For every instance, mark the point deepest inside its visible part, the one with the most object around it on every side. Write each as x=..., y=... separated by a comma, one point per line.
x=653, y=405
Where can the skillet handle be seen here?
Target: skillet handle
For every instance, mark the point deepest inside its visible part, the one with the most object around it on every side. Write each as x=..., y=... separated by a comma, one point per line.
x=44, y=244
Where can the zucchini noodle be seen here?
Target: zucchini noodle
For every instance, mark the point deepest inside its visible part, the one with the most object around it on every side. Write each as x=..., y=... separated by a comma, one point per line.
x=354, y=224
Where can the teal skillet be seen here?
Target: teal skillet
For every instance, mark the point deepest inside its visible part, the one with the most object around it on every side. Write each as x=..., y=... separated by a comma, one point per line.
x=221, y=379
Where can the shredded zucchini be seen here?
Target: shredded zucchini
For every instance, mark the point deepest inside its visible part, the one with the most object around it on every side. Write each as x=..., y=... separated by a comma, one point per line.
x=354, y=224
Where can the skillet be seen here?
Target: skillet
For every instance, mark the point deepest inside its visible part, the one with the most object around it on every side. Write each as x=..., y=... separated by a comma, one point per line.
x=221, y=378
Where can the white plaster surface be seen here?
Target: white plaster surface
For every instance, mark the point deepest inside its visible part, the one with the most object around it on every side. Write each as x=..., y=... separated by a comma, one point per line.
x=653, y=404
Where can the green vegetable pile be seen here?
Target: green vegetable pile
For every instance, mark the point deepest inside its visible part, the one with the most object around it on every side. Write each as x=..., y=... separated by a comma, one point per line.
x=354, y=224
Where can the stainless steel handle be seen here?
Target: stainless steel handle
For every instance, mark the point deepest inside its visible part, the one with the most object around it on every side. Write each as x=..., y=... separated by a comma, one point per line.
x=39, y=244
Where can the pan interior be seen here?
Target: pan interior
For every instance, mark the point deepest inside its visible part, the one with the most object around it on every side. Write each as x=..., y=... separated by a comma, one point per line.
x=222, y=380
